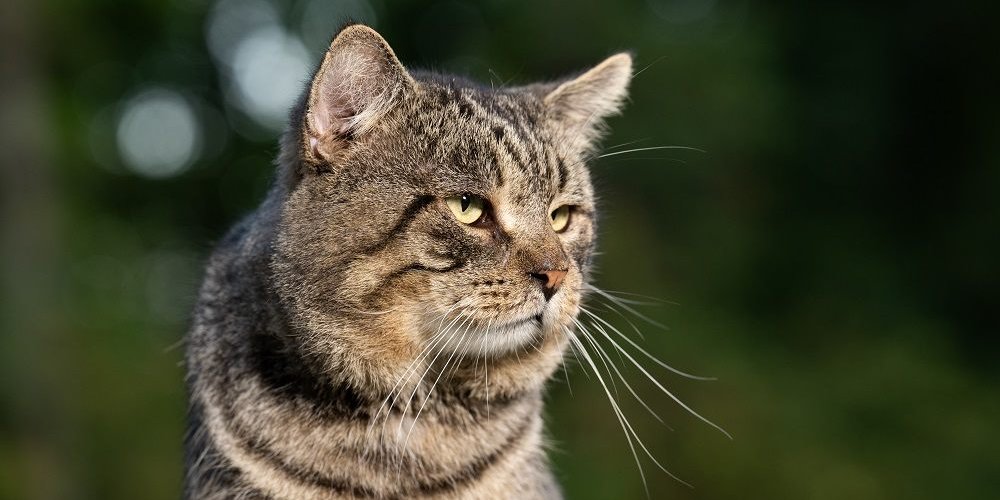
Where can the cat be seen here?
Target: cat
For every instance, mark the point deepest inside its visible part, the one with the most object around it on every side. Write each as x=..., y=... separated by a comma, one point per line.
x=383, y=325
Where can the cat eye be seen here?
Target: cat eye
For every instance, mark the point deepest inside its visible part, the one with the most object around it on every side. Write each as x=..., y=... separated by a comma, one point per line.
x=467, y=208
x=559, y=218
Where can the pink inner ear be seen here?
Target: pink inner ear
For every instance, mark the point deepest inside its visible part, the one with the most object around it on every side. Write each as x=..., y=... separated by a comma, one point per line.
x=357, y=83
x=331, y=106
x=348, y=85
x=314, y=146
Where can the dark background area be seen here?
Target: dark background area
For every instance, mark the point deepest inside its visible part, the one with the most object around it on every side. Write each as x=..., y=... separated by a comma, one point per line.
x=831, y=257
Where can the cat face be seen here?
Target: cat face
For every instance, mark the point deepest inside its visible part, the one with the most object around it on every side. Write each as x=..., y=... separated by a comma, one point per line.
x=435, y=213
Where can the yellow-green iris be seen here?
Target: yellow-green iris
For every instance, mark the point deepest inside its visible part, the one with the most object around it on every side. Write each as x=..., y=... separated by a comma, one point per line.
x=467, y=208
x=559, y=218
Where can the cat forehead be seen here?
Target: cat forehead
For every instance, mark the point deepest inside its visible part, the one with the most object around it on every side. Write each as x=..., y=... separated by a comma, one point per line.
x=493, y=139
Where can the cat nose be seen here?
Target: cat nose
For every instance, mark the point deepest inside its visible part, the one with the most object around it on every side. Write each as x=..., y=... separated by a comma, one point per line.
x=550, y=279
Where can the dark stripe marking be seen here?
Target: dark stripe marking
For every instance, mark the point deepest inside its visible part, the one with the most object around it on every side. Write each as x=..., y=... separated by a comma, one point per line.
x=410, y=213
x=416, y=266
x=450, y=482
x=563, y=173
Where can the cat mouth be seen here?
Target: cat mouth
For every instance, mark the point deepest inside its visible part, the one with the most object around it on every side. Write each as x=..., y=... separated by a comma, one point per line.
x=494, y=336
x=535, y=320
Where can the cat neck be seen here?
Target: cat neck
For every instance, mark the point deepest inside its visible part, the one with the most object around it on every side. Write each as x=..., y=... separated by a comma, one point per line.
x=287, y=428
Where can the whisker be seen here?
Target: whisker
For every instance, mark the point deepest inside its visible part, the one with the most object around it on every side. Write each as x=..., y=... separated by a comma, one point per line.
x=446, y=333
x=643, y=351
x=628, y=143
x=431, y=391
x=417, y=387
x=424, y=353
x=180, y=342
x=426, y=371
x=654, y=300
x=431, y=342
x=659, y=385
x=658, y=59
x=618, y=302
x=649, y=148
x=623, y=421
x=486, y=368
x=610, y=307
x=486, y=364
x=601, y=352
x=669, y=159
x=579, y=346
x=583, y=330
x=566, y=375
x=572, y=349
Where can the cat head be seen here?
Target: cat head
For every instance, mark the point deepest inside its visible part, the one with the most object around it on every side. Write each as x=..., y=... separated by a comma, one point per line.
x=425, y=214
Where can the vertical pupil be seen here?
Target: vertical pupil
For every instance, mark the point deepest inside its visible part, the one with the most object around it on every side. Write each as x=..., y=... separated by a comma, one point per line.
x=465, y=202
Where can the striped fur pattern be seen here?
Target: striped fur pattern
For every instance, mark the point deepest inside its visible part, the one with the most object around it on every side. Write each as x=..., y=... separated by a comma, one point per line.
x=352, y=338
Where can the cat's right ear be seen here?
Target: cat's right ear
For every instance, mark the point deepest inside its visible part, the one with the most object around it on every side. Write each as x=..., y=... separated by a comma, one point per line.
x=359, y=81
x=578, y=107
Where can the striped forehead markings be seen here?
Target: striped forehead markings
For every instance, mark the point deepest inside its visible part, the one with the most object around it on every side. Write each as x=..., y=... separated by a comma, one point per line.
x=527, y=148
x=512, y=133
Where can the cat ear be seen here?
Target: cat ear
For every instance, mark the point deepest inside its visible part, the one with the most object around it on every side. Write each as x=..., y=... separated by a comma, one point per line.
x=359, y=81
x=579, y=106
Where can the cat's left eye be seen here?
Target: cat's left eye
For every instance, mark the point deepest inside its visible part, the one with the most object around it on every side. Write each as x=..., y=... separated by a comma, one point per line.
x=559, y=218
x=467, y=208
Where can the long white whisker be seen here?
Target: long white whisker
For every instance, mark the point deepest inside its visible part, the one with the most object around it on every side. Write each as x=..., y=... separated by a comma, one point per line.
x=625, y=424
x=627, y=143
x=572, y=349
x=610, y=307
x=434, y=340
x=431, y=391
x=601, y=352
x=486, y=369
x=660, y=386
x=402, y=379
x=566, y=375
x=605, y=155
x=658, y=59
x=643, y=351
x=406, y=409
x=449, y=335
x=652, y=300
x=389, y=396
x=583, y=330
x=593, y=367
x=626, y=307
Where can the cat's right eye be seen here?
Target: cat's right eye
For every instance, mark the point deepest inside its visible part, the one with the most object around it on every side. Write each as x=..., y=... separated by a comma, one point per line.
x=467, y=208
x=560, y=218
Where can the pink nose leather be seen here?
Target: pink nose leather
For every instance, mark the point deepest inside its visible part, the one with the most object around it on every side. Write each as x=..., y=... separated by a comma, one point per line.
x=553, y=279
x=550, y=280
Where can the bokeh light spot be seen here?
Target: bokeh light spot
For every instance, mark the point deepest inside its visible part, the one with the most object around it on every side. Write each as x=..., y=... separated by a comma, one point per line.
x=269, y=69
x=231, y=21
x=158, y=134
x=320, y=19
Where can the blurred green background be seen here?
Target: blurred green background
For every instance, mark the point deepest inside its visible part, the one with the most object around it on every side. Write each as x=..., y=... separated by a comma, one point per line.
x=831, y=258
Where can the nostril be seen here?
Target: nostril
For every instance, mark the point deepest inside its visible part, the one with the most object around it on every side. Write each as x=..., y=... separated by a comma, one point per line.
x=542, y=278
x=550, y=281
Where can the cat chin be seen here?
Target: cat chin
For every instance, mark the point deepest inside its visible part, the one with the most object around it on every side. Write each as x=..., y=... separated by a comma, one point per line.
x=494, y=340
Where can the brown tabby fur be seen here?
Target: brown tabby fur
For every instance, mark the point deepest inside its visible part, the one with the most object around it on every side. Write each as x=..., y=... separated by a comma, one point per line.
x=354, y=339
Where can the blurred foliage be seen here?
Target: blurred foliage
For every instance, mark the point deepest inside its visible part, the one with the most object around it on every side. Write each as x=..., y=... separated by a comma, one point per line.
x=833, y=253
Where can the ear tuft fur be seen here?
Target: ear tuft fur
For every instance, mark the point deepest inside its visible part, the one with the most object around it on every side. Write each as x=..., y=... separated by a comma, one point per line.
x=359, y=80
x=579, y=106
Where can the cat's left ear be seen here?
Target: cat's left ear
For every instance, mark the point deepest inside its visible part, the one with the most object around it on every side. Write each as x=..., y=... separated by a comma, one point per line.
x=359, y=81
x=579, y=106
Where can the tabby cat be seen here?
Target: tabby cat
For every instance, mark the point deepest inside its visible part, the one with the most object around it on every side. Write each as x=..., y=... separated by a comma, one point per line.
x=383, y=325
